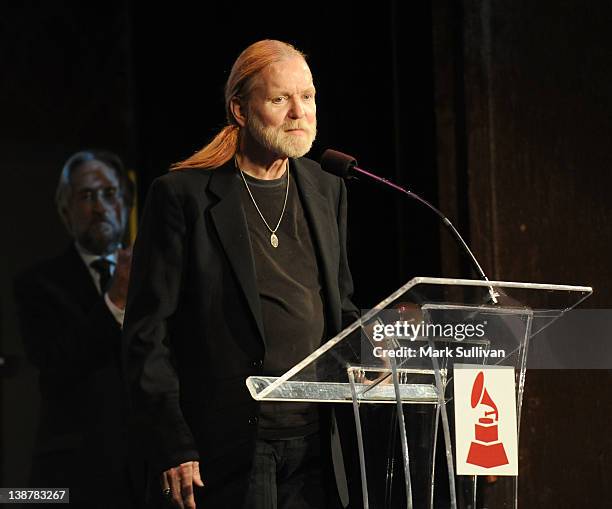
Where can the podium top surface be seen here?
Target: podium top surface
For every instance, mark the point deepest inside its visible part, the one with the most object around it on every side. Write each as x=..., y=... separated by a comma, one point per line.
x=498, y=284
x=479, y=292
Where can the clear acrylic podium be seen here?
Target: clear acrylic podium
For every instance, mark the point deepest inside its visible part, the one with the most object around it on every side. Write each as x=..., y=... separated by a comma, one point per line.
x=395, y=366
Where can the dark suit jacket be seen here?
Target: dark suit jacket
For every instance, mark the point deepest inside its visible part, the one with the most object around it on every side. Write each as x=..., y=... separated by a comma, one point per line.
x=72, y=338
x=193, y=329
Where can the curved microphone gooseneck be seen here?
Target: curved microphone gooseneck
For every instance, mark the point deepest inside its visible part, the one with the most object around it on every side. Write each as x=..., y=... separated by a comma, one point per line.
x=345, y=166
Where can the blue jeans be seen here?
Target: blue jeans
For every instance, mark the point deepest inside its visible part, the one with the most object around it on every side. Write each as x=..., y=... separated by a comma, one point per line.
x=286, y=474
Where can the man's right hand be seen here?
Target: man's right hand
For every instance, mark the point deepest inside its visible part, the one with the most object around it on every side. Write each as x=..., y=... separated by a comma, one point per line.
x=117, y=292
x=179, y=481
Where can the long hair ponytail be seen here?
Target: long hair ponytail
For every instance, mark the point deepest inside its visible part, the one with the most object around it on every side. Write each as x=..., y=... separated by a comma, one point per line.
x=239, y=84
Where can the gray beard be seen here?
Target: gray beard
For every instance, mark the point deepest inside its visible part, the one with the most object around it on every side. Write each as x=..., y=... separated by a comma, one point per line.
x=277, y=141
x=101, y=245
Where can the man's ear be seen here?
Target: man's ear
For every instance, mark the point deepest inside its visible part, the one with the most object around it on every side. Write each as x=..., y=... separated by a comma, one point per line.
x=239, y=111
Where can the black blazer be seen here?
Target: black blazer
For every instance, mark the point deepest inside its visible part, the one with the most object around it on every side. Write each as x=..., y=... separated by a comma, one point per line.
x=193, y=331
x=72, y=338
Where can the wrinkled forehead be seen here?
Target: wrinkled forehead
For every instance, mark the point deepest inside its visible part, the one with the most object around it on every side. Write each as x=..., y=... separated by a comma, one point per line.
x=288, y=75
x=94, y=174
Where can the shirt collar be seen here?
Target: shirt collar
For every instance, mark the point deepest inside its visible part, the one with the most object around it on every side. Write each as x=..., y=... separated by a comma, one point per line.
x=88, y=257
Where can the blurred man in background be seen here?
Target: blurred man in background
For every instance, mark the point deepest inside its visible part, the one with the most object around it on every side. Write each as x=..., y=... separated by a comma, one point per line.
x=71, y=312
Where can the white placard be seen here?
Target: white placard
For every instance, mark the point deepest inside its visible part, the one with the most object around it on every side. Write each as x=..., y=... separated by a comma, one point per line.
x=485, y=420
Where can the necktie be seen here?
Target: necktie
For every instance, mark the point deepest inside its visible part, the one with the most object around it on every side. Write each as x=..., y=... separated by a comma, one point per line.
x=102, y=266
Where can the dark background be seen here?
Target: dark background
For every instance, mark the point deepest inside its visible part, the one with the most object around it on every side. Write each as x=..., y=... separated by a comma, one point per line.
x=498, y=111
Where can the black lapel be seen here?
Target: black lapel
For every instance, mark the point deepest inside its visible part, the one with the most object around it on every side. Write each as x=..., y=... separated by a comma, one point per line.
x=321, y=218
x=69, y=279
x=230, y=222
x=74, y=276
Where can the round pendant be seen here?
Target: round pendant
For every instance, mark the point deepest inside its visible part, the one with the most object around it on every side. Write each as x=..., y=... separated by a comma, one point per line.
x=274, y=240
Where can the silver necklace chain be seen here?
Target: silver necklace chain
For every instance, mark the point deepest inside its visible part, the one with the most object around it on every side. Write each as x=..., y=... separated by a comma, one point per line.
x=273, y=237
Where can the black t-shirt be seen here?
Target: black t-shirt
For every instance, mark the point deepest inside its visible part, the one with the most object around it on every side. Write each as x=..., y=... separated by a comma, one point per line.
x=290, y=292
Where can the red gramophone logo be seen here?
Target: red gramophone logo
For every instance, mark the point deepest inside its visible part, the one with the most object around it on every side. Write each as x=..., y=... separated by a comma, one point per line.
x=486, y=450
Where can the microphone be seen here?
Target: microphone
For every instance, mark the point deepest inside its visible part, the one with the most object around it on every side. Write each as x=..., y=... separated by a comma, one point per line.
x=345, y=166
x=337, y=163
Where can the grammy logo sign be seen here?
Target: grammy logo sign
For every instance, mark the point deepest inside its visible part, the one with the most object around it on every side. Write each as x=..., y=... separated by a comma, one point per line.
x=485, y=421
x=486, y=450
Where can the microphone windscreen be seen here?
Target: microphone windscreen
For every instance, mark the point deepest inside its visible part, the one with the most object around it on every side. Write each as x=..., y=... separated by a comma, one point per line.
x=337, y=163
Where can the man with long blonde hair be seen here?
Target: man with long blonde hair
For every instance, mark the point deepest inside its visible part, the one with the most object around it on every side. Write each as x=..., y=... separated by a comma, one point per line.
x=240, y=269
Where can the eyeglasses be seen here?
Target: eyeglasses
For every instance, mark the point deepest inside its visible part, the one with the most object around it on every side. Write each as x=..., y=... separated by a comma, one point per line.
x=105, y=194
